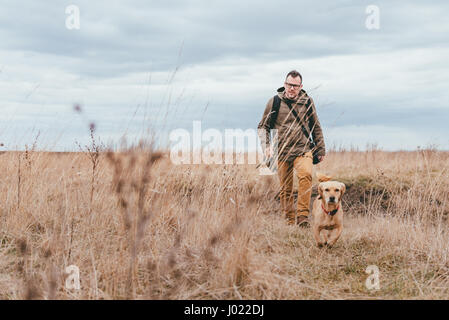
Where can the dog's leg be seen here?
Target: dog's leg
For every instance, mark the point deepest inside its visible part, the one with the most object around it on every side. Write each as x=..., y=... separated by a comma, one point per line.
x=336, y=235
x=326, y=235
x=316, y=234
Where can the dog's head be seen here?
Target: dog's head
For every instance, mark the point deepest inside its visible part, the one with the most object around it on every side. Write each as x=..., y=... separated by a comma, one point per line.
x=331, y=191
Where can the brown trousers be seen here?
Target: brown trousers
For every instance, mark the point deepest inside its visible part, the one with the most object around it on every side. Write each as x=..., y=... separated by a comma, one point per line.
x=303, y=166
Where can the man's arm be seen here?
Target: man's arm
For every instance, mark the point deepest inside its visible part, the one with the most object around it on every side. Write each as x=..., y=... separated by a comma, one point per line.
x=263, y=128
x=317, y=133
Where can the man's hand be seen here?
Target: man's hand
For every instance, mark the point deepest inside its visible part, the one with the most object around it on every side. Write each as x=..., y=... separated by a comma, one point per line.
x=267, y=153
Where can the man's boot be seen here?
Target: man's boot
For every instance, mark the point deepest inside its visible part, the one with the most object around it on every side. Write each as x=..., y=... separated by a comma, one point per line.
x=303, y=221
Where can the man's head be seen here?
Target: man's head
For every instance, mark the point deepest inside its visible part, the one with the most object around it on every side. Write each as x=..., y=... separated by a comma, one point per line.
x=293, y=84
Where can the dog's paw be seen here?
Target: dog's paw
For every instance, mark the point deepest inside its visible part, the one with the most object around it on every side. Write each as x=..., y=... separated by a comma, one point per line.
x=320, y=244
x=329, y=245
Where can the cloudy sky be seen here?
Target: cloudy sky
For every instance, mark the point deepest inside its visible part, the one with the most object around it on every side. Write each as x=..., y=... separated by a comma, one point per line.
x=135, y=65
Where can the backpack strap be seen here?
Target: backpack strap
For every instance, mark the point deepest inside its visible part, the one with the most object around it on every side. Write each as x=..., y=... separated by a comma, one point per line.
x=304, y=130
x=309, y=116
x=274, y=111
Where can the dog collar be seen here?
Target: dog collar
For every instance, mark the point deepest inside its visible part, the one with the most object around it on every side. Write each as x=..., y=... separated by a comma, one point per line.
x=331, y=213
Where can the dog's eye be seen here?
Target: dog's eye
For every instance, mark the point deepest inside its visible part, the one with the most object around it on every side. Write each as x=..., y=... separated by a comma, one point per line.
x=327, y=190
x=336, y=190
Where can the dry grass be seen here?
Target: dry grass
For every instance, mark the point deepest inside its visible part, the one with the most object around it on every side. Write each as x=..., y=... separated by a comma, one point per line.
x=142, y=228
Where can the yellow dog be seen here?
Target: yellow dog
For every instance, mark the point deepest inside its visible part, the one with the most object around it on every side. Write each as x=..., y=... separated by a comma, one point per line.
x=327, y=211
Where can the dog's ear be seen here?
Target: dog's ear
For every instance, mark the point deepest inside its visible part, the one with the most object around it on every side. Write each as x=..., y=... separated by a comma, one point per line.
x=343, y=188
x=320, y=190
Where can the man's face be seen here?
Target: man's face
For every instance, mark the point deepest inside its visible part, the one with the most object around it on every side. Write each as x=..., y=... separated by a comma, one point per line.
x=292, y=87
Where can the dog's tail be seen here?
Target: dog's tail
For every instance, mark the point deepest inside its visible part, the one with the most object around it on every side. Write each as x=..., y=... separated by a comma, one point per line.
x=322, y=177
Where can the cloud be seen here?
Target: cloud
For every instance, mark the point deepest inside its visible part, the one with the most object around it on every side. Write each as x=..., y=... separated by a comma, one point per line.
x=135, y=62
x=117, y=38
x=382, y=136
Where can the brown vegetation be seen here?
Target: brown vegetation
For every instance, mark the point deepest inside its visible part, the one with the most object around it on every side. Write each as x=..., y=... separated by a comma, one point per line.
x=138, y=227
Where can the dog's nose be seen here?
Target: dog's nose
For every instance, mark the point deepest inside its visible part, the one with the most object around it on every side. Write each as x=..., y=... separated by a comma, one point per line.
x=332, y=199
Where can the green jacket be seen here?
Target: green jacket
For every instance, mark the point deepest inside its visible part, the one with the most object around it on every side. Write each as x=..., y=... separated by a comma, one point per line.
x=292, y=142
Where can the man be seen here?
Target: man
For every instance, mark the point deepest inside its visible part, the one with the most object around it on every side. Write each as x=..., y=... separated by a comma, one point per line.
x=295, y=120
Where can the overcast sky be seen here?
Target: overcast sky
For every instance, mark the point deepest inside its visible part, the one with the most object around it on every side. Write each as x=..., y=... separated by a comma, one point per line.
x=138, y=64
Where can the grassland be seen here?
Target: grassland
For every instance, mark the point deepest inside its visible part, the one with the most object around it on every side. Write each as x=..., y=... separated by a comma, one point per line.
x=139, y=227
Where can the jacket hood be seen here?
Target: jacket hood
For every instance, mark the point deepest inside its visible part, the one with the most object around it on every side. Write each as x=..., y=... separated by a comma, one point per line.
x=281, y=89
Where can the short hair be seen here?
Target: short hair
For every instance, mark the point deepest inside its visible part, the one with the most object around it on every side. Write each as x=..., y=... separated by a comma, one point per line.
x=294, y=74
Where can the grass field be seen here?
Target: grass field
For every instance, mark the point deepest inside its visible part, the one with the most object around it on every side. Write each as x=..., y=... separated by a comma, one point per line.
x=138, y=227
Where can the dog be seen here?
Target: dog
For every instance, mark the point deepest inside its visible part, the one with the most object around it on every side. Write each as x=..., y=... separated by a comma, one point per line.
x=327, y=211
